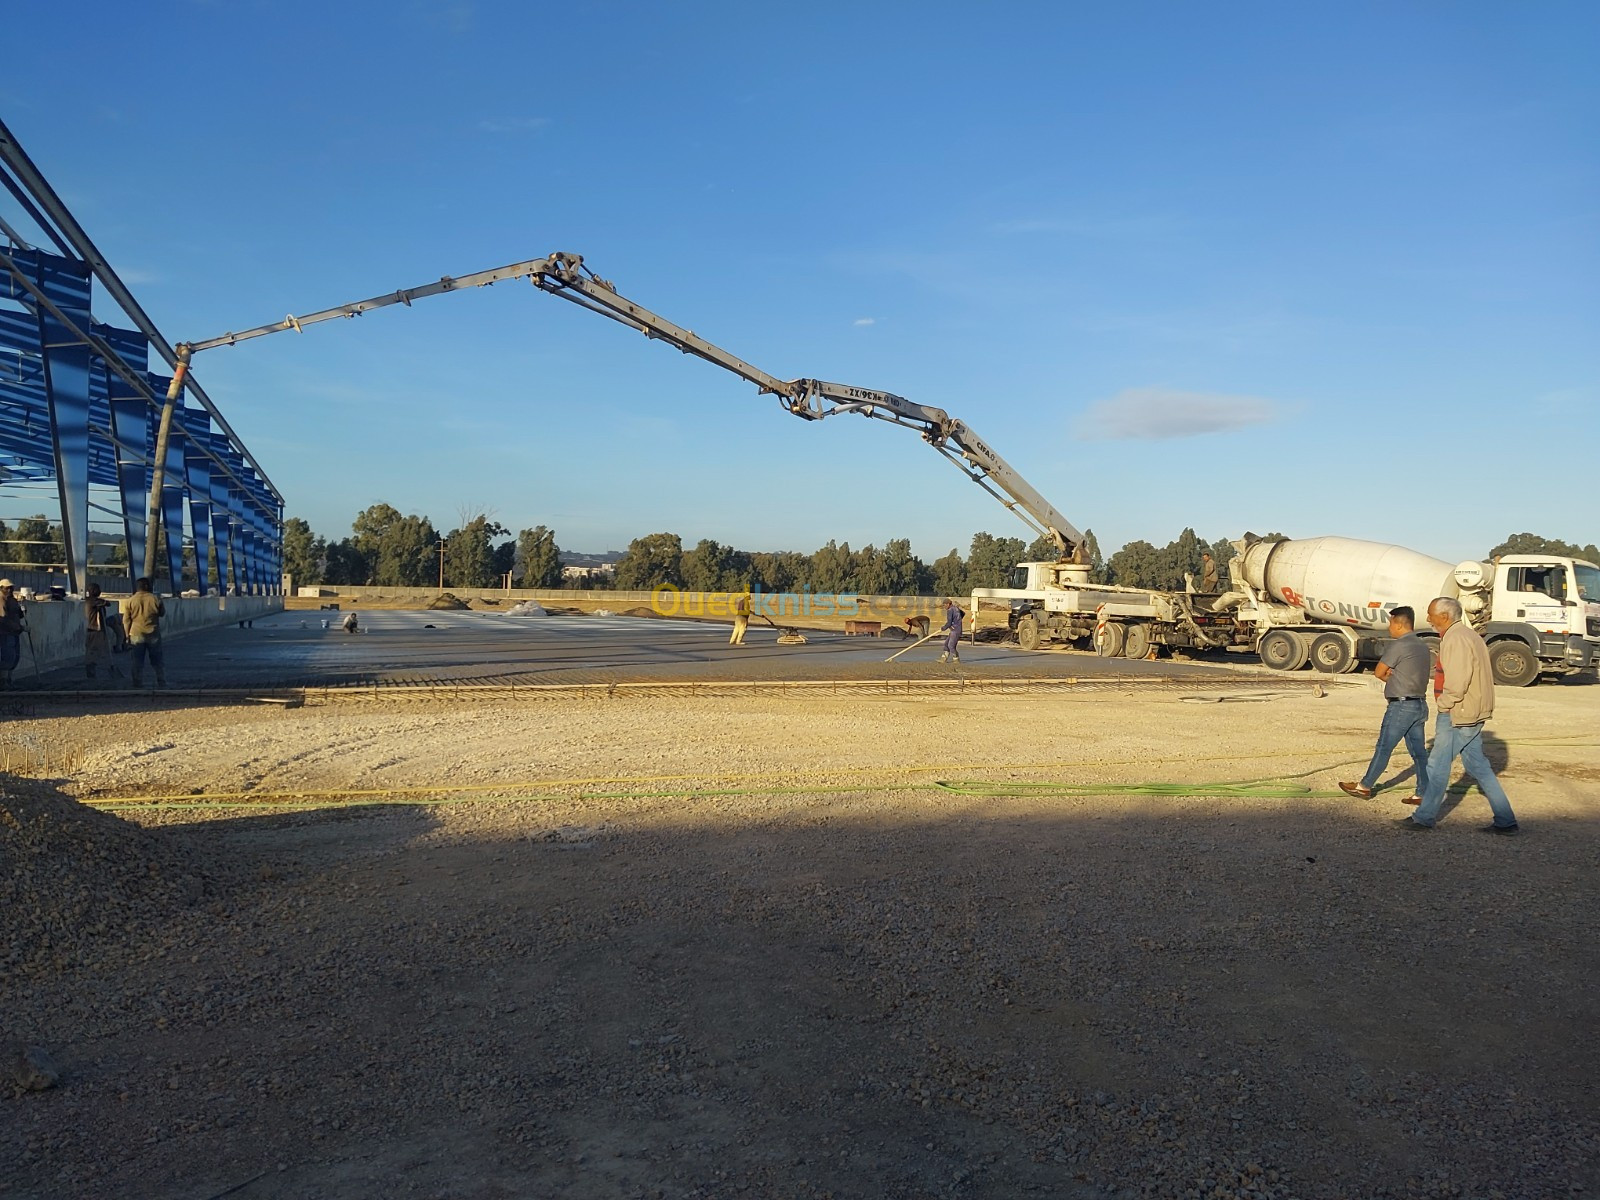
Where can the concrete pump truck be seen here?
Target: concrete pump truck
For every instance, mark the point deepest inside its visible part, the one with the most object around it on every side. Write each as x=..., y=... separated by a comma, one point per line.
x=1322, y=601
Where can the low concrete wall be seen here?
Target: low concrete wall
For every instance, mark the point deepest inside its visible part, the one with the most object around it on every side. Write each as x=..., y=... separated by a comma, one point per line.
x=57, y=633
x=805, y=609
x=423, y=595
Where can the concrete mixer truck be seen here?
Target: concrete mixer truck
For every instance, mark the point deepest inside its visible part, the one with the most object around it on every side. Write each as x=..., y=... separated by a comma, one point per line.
x=1327, y=600
x=1319, y=601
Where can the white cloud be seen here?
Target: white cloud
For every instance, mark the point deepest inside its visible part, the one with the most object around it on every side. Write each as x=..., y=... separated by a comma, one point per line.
x=865, y=321
x=512, y=124
x=1155, y=414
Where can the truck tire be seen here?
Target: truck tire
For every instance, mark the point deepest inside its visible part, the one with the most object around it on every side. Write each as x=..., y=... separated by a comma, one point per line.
x=1109, y=638
x=1137, y=643
x=1028, y=632
x=1282, y=650
x=1332, y=654
x=1513, y=664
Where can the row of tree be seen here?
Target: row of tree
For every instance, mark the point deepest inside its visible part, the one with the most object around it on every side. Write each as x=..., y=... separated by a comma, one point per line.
x=894, y=570
x=387, y=548
x=36, y=541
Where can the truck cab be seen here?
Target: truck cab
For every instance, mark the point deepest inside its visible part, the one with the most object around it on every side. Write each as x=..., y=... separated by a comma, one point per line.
x=1543, y=614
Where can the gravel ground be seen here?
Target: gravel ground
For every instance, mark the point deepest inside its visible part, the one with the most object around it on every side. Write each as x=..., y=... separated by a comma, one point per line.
x=818, y=973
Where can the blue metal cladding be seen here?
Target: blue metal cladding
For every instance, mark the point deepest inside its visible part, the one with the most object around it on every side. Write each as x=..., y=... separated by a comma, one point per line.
x=246, y=538
x=221, y=516
x=172, y=508
x=198, y=470
x=129, y=422
x=66, y=384
x=79, y=407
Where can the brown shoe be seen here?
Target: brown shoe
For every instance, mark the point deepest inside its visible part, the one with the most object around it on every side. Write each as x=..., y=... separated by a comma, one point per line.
x=1412, y=799
x=1355, y=789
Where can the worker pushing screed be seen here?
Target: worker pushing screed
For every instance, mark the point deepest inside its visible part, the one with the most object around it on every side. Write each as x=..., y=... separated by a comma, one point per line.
x=914, y=645
x=952, y=631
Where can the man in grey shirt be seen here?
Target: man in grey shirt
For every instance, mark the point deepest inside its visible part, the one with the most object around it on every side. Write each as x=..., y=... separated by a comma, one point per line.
x=1404, y=669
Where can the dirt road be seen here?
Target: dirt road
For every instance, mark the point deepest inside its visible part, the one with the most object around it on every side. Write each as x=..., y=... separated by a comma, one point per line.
x=705, y=947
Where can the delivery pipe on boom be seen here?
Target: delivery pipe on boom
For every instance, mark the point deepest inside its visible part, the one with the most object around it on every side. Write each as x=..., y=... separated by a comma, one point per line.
x=158, y=469
x=564, y=275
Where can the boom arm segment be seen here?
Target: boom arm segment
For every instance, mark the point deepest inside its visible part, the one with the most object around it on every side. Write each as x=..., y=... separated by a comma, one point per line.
x=565, y=276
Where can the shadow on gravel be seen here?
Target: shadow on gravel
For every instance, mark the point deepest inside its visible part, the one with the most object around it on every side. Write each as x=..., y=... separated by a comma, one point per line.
x=835, y=995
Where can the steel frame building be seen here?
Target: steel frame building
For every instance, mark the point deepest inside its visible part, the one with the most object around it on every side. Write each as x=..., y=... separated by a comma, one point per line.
x=80, y=406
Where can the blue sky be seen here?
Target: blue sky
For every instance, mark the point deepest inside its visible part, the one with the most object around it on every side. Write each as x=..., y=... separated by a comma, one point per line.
x=1321, y=269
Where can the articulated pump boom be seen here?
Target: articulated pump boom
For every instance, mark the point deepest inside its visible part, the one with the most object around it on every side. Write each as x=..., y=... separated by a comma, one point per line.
x=1324, y=600
x=564, y=275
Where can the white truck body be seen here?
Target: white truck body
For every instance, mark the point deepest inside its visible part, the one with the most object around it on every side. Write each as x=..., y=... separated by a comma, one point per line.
x=1324, y=601
x=1055, y=602
x=1539, y=613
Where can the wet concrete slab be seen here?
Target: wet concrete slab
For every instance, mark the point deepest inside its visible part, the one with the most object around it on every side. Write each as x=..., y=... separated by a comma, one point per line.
x=408, y=648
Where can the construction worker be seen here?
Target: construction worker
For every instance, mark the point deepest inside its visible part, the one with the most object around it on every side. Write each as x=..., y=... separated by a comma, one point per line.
x=952, y=625
x=96, y=647
x=741, y=618
x=1208, y=575
x=12, y=617
x=142, y=614
x=1463, y=701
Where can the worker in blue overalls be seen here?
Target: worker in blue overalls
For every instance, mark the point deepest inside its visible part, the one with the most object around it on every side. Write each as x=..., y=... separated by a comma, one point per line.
x=952, y=628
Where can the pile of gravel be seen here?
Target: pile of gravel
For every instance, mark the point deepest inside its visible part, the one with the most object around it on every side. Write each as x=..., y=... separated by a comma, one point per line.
x=70, y=875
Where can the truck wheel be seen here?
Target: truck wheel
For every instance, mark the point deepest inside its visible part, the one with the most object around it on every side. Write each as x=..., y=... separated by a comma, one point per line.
x=1028, y=633
x=1109, y=639
x=1137, y=643
x=1281, y=650
x=1513, y=664
x=1331, y=654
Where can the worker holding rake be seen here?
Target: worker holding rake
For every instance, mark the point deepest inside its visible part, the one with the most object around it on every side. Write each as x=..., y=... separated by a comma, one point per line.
x=11, y=627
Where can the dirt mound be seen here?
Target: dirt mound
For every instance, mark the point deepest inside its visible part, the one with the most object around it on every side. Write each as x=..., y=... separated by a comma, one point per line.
x=70, y=874
x=448, y=601
x=640, y=611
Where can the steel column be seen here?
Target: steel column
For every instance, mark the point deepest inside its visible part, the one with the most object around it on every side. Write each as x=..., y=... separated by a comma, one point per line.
x=198, y=469
x=172, y=510
x=66, y=384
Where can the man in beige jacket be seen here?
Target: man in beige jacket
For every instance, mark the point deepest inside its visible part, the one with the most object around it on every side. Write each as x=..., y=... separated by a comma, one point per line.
x=1463, y=694
x=142, y=613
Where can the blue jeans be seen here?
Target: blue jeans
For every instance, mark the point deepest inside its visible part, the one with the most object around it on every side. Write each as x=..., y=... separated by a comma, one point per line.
x=150, y=648
x=10, y=651
x=1403, y=719
x=1467, y=741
